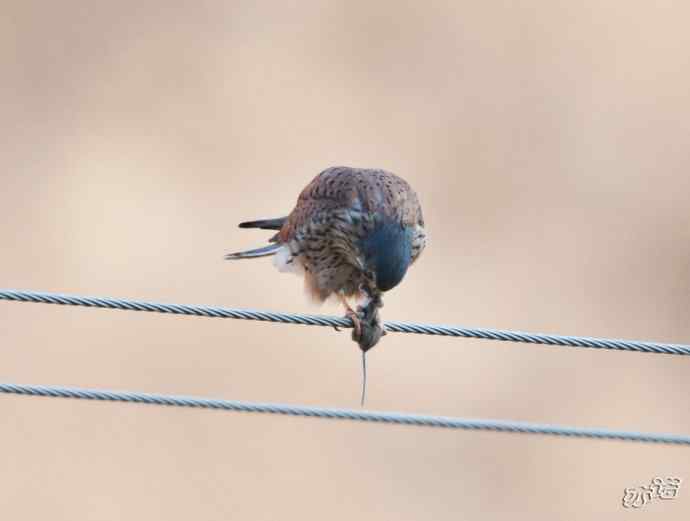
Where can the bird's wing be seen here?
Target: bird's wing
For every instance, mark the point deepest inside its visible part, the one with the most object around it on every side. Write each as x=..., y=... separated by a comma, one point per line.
x=328, y=192
x=362, y=190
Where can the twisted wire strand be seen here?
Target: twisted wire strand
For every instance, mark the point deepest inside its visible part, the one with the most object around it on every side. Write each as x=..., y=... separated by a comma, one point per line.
x=418, y=420
x=321, y=320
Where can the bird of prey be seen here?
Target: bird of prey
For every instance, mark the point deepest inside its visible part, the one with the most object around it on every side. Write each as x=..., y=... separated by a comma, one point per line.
x=353, y=234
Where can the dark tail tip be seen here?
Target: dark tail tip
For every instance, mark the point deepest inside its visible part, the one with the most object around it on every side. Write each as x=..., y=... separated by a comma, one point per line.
x=266, y=251
x=265, y=224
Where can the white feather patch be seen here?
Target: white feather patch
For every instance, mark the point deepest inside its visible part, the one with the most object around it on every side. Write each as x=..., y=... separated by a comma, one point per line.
x=286, y=263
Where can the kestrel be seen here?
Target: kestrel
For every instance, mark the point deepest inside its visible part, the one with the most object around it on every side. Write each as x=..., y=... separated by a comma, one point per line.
x=353, y=233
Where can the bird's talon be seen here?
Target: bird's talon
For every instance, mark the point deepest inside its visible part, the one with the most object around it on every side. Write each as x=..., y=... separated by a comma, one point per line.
x=356, y=324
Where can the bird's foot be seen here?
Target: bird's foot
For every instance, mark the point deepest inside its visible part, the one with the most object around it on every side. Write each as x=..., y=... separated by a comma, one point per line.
x=367, y=327
x=349, y=313
x=356, y=322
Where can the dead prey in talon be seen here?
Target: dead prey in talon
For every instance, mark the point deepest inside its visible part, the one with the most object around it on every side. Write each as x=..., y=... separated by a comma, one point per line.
x=352, y=235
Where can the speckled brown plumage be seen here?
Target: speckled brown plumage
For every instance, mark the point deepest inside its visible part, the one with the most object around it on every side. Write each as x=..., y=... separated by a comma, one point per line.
x=353, y=233
x=333, y=212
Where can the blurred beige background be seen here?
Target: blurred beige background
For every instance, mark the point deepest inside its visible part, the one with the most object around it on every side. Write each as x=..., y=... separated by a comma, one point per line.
x=549, y=144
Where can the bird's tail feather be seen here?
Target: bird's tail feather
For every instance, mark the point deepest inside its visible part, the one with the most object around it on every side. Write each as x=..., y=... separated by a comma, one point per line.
x=266, y=251
x=265, y=224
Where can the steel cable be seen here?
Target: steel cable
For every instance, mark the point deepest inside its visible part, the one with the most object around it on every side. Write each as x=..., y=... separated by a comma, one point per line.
x=322, y=320
x=419, y=420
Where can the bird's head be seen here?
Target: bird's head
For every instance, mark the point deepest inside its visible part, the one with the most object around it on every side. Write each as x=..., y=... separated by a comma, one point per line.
x=387, y=252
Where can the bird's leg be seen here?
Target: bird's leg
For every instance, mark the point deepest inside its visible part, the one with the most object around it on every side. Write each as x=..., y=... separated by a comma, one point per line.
x=352, y=315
